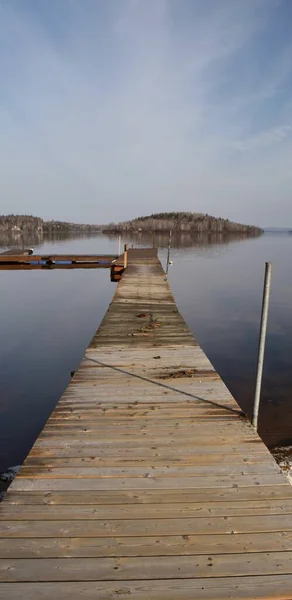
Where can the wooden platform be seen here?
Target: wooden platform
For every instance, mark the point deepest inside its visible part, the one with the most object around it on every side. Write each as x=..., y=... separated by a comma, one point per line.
x=147, y=482
x=26, y=260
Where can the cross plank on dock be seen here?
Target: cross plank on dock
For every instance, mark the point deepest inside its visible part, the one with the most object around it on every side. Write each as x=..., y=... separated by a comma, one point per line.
x=147, y=481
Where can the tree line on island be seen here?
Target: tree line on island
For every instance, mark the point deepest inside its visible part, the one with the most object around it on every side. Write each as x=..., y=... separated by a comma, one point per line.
x=185, y=222
x=182, y=222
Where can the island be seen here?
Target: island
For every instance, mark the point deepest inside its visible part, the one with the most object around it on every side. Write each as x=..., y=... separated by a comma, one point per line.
x=182, y=222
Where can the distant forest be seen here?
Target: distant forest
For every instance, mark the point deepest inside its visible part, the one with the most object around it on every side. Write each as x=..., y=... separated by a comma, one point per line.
x=183, y=222
x=27, y=224
x=18, y=223
x=186, y=222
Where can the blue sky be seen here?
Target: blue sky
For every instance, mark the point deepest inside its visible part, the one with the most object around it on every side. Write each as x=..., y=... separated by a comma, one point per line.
x=114, y=108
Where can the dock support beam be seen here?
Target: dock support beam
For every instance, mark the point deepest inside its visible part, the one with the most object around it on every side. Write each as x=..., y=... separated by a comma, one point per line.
x=125, y=256
x=262, y=343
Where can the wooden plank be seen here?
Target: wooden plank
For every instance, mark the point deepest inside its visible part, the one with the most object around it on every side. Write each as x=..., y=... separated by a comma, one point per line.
x=144, y=384
x=27, y=258
x=104, y=414
x=152, y=441
x=57, y=426
x=137, y=568
x=233, y=494
x=20, y=266
x=155, y=411
x=100, y=416
x=217, y=425
x=65, y=458
x=227, y=425
x=146, y=483
x=175, y=433
x=160, y=471
x=142, y=511
x=89, y=402
x=188, y=545
x=145, y=527
x=241, y=588
x=83, y=393
x=188, y=356
x=196, y=454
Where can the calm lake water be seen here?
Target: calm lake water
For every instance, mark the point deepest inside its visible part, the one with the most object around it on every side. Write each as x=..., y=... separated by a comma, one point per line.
x=48, y=318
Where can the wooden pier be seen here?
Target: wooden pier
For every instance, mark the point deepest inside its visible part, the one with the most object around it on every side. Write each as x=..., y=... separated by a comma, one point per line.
x=20, y=261
x=147, y=482
x=14, y=260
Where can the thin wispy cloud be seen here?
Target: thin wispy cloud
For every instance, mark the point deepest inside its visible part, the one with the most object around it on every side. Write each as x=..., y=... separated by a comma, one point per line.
x=110, y=109
x=264, y=138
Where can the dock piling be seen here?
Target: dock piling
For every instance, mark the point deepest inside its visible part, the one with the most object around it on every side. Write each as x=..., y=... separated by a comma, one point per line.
x=125, y=256
x=168, y=252
x=262, y=343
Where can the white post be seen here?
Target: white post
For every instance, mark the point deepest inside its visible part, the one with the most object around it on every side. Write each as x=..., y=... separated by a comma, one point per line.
x=168, y=252
x=262, y=343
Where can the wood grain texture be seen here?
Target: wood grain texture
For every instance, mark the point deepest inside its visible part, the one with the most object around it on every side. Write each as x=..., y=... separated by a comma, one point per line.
x=28, y=484
x=145, y=527
x=188, y=545
x=234, y=494
x=224, y=588
x=143, y=568
x=147, y=480
x=141, y=511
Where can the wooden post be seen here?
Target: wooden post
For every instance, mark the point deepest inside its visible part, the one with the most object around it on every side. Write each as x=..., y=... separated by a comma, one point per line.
x=168, y=252
x=125, y=256
x=262, y=343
